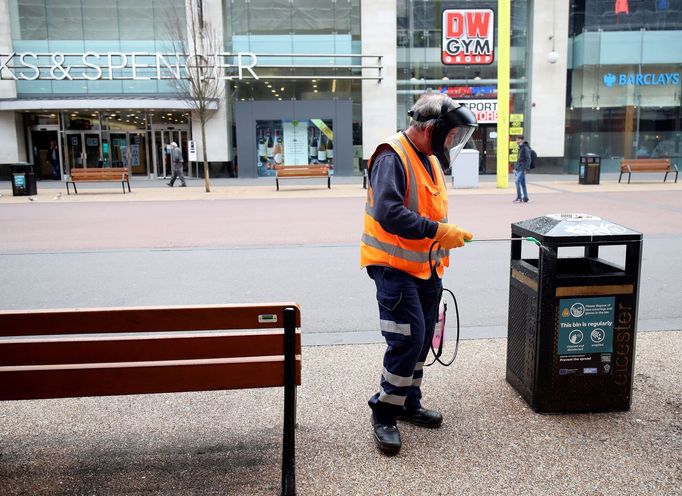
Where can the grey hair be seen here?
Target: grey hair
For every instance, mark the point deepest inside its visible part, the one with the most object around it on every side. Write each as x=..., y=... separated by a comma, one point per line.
x=428, y=104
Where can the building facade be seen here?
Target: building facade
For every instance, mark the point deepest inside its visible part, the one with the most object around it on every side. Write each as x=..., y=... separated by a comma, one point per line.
x=92, y=83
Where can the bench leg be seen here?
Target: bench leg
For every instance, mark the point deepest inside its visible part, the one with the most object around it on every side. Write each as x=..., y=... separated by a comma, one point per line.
x=629, y=177
x=676, y=173
x=329, y=183
x=289, y=441
x=277, y=183
x=123, y=184
x=128, y=181
x=67, y=188
x=621, y=175
x=74, y=188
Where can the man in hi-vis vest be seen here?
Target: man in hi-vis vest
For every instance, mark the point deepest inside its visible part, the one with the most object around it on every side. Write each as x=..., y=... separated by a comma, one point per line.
x=406, y=212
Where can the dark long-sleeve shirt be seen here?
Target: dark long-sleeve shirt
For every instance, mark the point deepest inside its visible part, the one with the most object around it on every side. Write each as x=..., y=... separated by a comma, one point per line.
x=389, y=185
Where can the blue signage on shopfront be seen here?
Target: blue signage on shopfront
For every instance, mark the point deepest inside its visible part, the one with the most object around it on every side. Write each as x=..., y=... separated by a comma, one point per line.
x=649, y=79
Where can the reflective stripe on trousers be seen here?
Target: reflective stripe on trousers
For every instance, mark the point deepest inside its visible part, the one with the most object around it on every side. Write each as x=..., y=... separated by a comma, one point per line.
x=407, y=313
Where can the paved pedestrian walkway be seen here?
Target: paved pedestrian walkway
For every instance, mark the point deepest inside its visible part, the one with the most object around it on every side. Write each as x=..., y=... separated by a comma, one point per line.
x=491, y=443
x=221, y=189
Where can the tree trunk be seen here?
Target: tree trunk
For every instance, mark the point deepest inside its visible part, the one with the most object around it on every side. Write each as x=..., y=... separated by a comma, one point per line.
x=207, y=183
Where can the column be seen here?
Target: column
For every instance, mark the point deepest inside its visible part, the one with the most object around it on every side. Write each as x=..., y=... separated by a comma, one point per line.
x=218, y=133
x=548, y=81
x=379, y=99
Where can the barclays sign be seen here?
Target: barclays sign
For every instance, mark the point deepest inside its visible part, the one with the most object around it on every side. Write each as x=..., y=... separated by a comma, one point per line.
x=611, y=80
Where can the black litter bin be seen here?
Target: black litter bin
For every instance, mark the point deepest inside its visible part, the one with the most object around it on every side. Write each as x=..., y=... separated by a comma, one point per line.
x=572, y=321
x=23, y=180
x=590, y=169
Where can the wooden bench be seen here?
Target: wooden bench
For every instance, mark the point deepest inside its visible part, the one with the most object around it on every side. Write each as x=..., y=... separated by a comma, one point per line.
x=647, y=165
x=53, y=354
x=116, y=174
x=302, y=172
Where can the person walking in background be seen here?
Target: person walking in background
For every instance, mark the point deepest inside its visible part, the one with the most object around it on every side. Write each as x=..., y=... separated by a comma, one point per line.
x=177, y=164
x=405, y=247
x=521, y=169
x=53, y=158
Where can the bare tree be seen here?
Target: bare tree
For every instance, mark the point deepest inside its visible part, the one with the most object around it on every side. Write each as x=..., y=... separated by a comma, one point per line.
x=200, y=86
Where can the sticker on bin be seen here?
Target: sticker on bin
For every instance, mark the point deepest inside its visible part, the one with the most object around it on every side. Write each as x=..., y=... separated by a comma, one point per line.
x=573, y=217
x=586, y=325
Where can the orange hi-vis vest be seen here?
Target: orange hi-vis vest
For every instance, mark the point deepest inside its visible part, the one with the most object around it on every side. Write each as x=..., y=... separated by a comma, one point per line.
x=424, y=196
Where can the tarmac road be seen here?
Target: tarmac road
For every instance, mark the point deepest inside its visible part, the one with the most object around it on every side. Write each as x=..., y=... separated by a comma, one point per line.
x=58, y=254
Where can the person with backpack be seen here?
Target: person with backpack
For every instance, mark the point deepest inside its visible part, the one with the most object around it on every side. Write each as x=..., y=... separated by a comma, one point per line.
x=522, y=167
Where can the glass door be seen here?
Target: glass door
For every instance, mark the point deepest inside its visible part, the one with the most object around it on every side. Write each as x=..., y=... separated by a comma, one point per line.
x=162, y=139
x=119, y=149
x=161, y=154
x=83, y=150
x=92, y=150
x=136, y=153
x=74, y=151
x=491, y=149
x=46, y=153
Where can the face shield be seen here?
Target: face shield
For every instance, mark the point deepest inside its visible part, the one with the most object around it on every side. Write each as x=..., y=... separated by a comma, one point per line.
x=453, y=128
x=455, y=141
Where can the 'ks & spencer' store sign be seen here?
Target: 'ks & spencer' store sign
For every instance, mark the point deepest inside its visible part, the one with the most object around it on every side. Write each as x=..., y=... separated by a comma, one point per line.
x=468, y=37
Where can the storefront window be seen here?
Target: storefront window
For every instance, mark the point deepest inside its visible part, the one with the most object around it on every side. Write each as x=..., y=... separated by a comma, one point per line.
x=170, y=118
x=81, y=120
x=283, y=143
x=125, y=120
x=38, y=119
x=420, y=67
x=99, y=26
x=624, y=83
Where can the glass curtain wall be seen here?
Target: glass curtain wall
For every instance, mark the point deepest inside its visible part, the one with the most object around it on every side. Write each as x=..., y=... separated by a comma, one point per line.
x=93, y=26
x=624, y=94
x=324, y=27
x=419, y=41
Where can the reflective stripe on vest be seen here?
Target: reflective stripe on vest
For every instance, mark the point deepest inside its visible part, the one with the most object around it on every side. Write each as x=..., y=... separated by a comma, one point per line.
x=424, y=196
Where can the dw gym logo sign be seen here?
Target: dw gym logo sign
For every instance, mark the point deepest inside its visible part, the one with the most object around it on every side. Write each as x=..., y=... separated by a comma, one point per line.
x=468, y=37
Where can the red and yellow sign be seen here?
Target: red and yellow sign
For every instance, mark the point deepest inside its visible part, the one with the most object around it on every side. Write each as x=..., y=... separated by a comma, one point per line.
x=468, y=37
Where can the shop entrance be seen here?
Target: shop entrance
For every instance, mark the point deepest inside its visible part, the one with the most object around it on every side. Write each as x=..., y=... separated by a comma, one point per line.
x=129, y=150
x=46, y=152
x=162, y=137
x=83, y=150
x=485, y=141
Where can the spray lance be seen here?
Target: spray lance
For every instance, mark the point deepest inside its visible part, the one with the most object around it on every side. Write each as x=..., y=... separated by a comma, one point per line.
x=438, y=338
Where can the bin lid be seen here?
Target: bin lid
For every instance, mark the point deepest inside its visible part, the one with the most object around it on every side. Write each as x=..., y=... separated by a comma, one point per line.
x=21, y=166
x=573, y=228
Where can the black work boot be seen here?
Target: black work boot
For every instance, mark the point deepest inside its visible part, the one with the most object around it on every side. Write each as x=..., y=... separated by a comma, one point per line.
x=387, y=437
x=431, y=419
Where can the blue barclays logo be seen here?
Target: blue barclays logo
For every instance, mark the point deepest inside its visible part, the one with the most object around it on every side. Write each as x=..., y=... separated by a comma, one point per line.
x=650, y=79
x=609, y=80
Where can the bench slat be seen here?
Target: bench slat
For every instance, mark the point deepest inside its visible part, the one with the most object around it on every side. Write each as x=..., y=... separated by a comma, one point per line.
x=28, y=351
x=21, y=383
x=302, y=172
x=647, y=165
x=143, y=319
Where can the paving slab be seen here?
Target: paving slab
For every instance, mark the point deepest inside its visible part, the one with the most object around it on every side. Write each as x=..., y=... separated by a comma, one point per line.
x=229, y=442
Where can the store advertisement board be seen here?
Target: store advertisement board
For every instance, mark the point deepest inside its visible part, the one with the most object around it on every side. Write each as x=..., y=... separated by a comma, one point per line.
x=468, y=37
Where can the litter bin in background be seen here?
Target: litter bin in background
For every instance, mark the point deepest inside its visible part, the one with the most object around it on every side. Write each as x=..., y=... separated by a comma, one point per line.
x=589, y=169
x=572, y=321
x=23, y=179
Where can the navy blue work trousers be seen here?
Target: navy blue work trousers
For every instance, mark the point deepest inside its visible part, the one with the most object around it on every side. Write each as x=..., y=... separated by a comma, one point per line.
x=408, y=309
